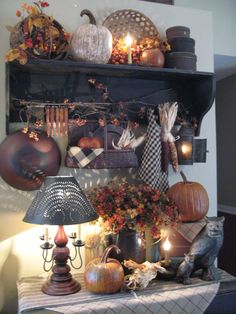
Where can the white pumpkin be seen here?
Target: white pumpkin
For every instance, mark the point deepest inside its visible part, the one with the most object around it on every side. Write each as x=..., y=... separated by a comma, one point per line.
x=90, y=42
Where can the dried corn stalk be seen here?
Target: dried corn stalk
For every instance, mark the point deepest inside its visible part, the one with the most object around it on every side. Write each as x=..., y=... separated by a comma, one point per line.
x=168, y=113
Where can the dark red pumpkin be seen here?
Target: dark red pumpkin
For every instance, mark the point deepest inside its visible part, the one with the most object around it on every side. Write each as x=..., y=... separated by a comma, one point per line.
x=104, y=275
x=191, y=199
x=90, y=142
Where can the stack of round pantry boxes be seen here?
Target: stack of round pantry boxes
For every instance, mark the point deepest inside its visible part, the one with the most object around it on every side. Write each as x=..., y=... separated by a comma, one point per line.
x=182, y=53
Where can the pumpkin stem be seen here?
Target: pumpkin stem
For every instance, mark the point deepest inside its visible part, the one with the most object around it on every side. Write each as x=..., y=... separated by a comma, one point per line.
x=107, y=252
x=183, y=177
x=90, y=15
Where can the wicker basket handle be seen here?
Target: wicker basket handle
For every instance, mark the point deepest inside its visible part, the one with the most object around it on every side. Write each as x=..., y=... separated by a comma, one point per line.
x=105, y=137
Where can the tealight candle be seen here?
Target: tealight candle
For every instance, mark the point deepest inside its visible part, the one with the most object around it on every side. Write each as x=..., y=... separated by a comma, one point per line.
x=129, y=41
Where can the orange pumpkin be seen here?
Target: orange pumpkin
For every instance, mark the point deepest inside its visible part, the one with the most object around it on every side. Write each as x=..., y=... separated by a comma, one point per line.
x=191, y=199
x=104, y=275
x=90, y=142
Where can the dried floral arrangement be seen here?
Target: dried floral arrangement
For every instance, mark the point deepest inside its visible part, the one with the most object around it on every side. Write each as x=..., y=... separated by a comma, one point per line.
x=124, y=206
x=37, y=35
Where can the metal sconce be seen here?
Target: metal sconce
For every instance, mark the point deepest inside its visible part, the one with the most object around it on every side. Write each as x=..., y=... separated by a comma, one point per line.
x=189, y=149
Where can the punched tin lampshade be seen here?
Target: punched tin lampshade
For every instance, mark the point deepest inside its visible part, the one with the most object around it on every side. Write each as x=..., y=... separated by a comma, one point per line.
x=60, y=201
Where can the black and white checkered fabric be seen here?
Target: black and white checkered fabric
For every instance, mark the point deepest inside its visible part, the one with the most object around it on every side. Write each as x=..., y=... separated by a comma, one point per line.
x=150, y=170
x=84, y=156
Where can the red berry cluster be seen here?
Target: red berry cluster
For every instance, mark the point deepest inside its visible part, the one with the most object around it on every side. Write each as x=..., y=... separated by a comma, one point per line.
x=120, y=56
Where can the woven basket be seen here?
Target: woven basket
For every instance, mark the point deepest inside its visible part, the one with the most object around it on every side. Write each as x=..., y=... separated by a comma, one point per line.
x=109, y=159
x=130, y=21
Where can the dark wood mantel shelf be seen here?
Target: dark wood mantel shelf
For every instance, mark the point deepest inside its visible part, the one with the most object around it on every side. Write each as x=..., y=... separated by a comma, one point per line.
x=55, y=80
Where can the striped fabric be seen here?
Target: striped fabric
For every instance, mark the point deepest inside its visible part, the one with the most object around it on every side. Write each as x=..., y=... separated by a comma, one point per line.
x=160, y=297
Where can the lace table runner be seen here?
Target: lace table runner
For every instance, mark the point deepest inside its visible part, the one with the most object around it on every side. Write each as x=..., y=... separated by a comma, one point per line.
x=159, y=297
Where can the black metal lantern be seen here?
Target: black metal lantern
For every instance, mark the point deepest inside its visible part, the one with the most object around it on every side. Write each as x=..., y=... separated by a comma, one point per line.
x=185, y=145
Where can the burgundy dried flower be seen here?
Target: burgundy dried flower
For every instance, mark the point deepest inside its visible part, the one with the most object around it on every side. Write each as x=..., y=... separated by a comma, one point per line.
x=43, y=4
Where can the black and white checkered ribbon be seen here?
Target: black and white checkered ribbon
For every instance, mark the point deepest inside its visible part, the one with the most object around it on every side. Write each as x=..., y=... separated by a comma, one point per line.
x=84, y=156
x=150, y=170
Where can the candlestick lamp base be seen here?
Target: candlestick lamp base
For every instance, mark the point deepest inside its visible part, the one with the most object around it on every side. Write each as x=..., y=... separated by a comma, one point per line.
x=61, y=281
x=54, y=287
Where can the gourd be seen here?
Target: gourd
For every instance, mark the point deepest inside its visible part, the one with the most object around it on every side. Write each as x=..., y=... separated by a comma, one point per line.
x=104, y=275
x=90, y=142
x=90, y=42
x=153, y=57
x=191, y=199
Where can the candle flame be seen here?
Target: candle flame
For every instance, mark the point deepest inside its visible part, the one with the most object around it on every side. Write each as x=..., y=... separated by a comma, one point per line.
x=166, y=245
x=128, y=40
x=184, y=149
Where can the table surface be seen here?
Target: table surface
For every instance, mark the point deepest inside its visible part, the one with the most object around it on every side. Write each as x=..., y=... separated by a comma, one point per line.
x=159, y=297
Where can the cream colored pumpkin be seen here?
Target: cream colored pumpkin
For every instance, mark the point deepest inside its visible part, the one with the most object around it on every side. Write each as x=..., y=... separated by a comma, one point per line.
x=90, y=42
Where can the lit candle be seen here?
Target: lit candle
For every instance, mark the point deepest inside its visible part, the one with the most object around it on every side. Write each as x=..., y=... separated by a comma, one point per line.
x=184, y=149
x=129, y=41
x=166, y=247
x=46, y=236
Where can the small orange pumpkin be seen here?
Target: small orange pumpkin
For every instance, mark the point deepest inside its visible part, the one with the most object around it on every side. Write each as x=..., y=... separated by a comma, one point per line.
x=191, y=199
x=90, y=142
x=104, y=275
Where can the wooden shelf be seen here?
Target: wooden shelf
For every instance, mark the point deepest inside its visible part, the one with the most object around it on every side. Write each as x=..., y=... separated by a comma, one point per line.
x=112, y=70
x=54, y=80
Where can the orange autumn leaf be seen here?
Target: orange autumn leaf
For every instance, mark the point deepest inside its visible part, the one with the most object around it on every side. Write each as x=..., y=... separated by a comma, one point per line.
x=23, y=46
x=39, y=22
x=53, y=32
x=16, y=54
x=22, y=58
x=12, y=55
x=51, y=18
x=11, y=29
x=30, y=25
x=33, y=10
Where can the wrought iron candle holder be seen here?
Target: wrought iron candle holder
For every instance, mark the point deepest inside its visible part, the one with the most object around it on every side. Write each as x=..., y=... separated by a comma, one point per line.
x=47, y=246
x=60, y=201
